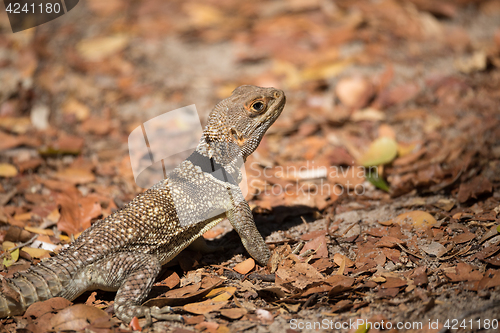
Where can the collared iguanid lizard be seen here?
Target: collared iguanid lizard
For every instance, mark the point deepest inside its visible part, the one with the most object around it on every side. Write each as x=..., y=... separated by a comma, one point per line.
x=125, y=251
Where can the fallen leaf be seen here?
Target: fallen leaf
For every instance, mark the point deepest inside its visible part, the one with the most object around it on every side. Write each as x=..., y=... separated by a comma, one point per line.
x=40, y=231
x=393, y=282
x=171, y=281
x=386, y=131
x=245, y=266
x=65, y=145
x=38, y=309
x=473, y=63
x=338, y=258
x=97, y=49
x=76, y=317
x=14, y=255
x=75, y=175
x=36, y=253
x=324, y=70
x=381, y=151
x=464, y=272
x=221, y=294
x=75, y=108
x=203, y=15
x=9, y=141
x=354, y=91
x=7, y=170
x=18, y=125
x=204, y=307
x=419, y=219
x=77, y=212
x=134, y=324
x=342, y=305
x=319, y=245
x=463, y=238
x=300, y=276
x=208, y=326
x=185, y=294
x=473, y=189
x=434, y=248
x=445, y=204
x=377, y=180
x=387, y=292
x=368, y=114
x=235, y=313
x=363, y=328
x=388, y=241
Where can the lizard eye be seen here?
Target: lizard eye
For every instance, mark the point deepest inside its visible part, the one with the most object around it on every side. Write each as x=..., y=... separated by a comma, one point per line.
x=258, y=106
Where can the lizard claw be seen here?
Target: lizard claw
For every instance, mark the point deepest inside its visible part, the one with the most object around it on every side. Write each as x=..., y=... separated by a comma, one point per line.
x=164, y=314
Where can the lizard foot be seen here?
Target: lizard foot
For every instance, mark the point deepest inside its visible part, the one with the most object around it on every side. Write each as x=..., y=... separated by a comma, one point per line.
x=163, y=314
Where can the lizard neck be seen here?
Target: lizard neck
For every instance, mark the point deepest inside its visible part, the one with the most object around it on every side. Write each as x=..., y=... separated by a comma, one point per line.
x=216, y=154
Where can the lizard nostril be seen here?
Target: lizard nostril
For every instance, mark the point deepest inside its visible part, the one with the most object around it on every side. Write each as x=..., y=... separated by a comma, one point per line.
x=277, y=94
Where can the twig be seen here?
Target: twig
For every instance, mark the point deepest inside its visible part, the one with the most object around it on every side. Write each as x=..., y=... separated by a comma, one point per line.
x=305, y=222
x=409, y=252
x=329, y=221
x=349, y=228
x=18, y=246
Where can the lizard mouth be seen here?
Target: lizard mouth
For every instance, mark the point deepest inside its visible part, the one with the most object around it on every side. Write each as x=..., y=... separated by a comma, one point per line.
x=274, y=111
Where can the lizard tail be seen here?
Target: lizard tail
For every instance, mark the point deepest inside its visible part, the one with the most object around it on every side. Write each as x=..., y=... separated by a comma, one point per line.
x=36, y=284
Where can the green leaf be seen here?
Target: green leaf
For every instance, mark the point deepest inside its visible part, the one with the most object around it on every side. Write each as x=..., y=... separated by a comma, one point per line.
x=374, y=178
x=498, y=228
x=363, y=328
x=14, y=255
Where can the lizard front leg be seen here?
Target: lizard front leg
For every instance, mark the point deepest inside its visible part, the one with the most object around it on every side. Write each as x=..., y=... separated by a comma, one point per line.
x=241, y=219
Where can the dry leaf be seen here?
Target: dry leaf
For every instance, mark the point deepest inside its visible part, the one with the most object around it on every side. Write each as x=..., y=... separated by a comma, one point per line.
x=245, y=266
x=464, y=272
x=76, y=109
x=76, y=317
x=475, y=62
x=7, y=170
x=419, y=219
x=235, y=313
x=36, y=253
x=221, y=294
x=77, y=212
x=354, y=92
x=14, y=256
x=97, y=49
x=381, y=151
x=319, y=245
x=204, y=307
x=76, y=175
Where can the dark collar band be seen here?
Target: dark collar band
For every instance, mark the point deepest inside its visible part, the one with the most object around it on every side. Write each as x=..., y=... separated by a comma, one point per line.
x=209, y=165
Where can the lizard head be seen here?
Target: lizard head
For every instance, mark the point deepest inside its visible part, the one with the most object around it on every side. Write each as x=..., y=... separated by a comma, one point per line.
x=244, y=117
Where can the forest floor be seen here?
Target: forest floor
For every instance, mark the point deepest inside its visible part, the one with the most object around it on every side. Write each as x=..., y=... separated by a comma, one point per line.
x=385, y=162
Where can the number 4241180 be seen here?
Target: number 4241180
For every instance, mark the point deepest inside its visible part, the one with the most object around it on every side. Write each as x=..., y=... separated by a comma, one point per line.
x=15, y=8
x=483, y=324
